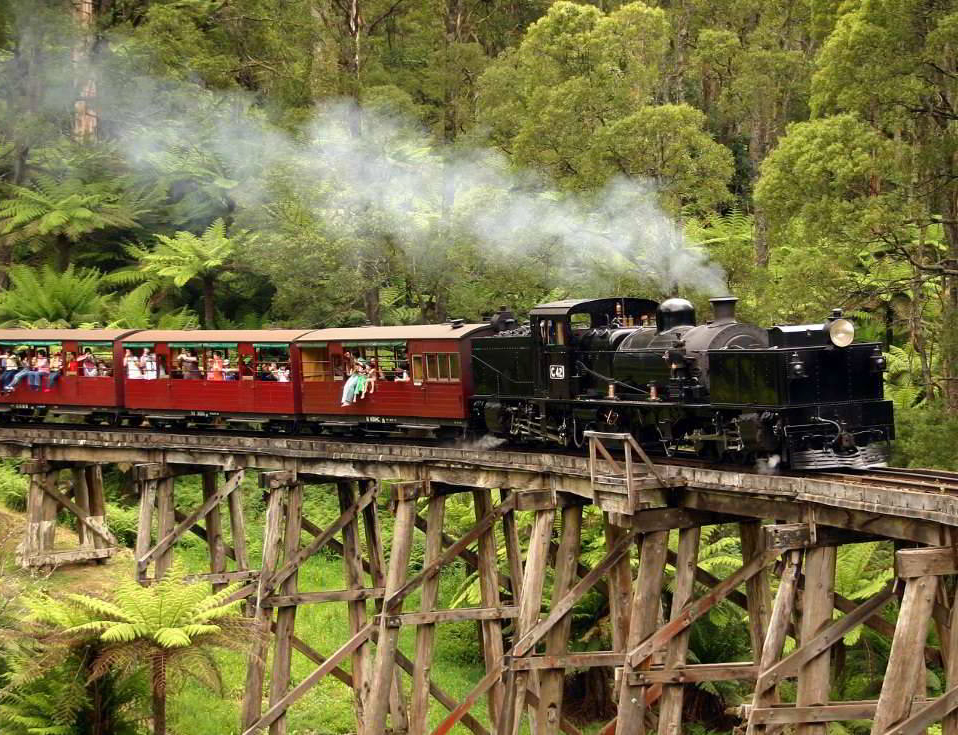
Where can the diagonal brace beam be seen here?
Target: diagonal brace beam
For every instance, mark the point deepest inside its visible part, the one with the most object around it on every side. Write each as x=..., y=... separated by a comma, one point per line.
x=82, y=515
x=167, y=541
x=321, y=540
x=524, y=645
x=927, y=715
x=274, y=712
x=697, y=608
x=451, y=553
x=827, y=638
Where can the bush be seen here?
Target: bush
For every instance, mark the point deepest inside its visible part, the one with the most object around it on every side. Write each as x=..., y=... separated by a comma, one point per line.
x=122, y=522
x=14, y=487
x=926, y=437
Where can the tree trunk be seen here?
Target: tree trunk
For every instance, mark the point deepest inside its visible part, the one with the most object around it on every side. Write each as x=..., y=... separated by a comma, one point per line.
x=209, y=302
x=64, y=249
x=371, y=304
x=84, y=111
x=757, y=150
x=949, y=312
x=159, y=694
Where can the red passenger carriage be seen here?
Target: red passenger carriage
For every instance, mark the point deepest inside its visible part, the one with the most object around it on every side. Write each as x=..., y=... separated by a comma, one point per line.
x=243, y=375
x=87, y=387
x=434, y=358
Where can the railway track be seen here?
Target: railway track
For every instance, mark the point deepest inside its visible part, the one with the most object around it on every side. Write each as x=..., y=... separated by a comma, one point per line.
x=906, y=478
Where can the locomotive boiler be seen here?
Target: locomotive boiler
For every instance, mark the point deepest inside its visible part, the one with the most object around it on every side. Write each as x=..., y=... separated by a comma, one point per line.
x=806, y=395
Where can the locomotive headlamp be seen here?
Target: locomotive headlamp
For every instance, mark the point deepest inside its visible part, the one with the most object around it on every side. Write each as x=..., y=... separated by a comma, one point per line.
x=841, y=332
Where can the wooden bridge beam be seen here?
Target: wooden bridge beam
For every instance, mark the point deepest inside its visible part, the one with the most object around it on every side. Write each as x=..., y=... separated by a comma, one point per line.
x=814, y=681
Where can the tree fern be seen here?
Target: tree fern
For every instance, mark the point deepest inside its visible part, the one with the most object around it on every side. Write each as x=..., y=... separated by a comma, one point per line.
x=159, y=626
x=66, y=208
x=44, y=296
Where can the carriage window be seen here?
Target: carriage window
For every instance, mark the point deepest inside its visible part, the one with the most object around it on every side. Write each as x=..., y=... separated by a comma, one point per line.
x=221, y=362
x=432, y=367
x=95, y=360
x=442, y=367
x=316, y=363
x=188, y=361
x=202, y=361
x=417, y=372
x=390, y=357
x=272, y=363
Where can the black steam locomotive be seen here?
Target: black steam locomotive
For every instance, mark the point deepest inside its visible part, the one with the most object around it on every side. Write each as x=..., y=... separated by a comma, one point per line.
x=807, y=396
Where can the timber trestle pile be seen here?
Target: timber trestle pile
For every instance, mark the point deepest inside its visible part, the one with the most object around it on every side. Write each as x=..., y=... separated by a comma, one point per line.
x=790, y=526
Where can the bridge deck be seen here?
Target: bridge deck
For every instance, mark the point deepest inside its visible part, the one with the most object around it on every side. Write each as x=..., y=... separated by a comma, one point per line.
x=852, y=503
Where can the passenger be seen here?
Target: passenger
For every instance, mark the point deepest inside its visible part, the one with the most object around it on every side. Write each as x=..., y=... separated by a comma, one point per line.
x=148, y=364
x=282, y=374
x=352, y=381
x=190, y=364
x=56, y=370
x=228, y=372
x=246, y=367
x=103, y=370
x=23, y=360
x=214, y=370
x=10, y=369
x=88, y=363
x=131, y=364
x=361, y=384
x=374, y=374
x=348, y=363
x=404, y=374
x=73, y=366
x=41, y=367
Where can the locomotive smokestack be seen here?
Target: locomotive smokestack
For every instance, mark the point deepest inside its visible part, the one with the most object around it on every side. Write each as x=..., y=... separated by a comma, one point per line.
x=723, y=308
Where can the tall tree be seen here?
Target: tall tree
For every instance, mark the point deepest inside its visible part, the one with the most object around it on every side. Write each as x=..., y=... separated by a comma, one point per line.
x=885, y=98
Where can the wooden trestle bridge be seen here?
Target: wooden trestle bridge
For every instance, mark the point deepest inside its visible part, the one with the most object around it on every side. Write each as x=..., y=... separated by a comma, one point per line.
x=790, y=526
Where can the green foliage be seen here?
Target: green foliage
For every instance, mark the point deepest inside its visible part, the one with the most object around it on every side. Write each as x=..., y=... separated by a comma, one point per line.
x=66, y=208
x=13, y=487
x=47, y=298
x=575, y=99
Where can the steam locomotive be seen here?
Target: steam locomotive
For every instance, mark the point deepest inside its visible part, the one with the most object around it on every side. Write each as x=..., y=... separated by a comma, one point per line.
x=807, y=396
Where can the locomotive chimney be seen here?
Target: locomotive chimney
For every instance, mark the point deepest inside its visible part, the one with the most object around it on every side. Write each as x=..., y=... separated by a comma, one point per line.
x=723, y=309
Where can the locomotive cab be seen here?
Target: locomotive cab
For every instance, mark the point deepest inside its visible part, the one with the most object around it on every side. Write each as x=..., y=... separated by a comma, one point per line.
x=564, y=333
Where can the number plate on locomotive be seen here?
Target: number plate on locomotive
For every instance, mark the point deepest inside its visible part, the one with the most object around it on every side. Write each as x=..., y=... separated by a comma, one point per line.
x=557, y=372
